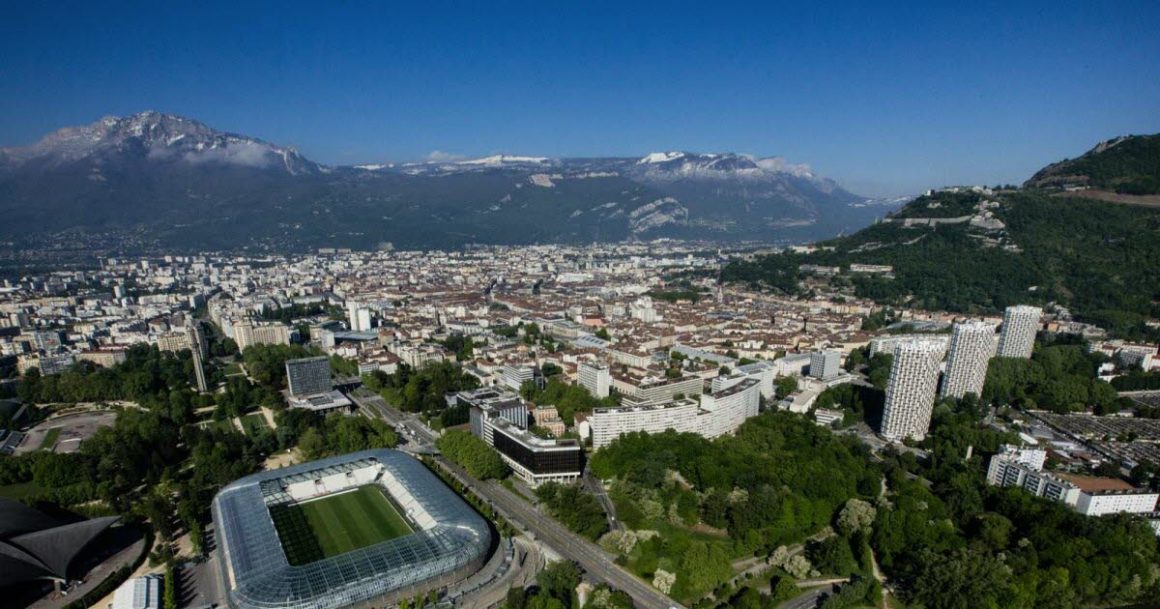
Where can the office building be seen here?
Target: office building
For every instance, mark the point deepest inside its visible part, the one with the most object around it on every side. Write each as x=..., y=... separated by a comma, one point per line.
x=972, y=345
x=825, y=364
x=910, y=391
x=534, y=459
x=514, y=377
x=1020, y=323
x=308, y=375
x=490, y=404
x=596, y=378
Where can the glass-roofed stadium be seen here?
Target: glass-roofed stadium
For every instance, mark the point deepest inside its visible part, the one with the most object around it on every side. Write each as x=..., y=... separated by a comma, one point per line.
x=403, y=531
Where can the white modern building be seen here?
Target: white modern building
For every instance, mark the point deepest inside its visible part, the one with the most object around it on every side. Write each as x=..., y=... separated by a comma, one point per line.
x=972, y=345
x=1020, y=323
x=724, y=411
x=608, y=424
x=1088, y=495
x=825, y=364
x=716, y=414
x=1031, y=457
x=514, y=377
x=596, y=378
x=764, y=372
x=910, y=391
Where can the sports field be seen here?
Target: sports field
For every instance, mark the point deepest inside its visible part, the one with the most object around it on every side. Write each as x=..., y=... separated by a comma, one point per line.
x=338, y=524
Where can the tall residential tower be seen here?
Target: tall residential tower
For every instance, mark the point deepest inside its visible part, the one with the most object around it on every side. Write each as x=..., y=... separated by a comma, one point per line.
x=972, y=345
x=911, y=389
x=1020, y=323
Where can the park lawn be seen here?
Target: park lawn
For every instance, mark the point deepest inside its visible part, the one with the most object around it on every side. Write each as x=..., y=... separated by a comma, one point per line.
x=50, y=439
x=337, y=524
x=254, y=423
x=20, y=490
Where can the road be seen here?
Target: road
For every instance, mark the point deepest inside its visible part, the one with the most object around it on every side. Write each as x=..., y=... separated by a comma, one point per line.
x=595, y=562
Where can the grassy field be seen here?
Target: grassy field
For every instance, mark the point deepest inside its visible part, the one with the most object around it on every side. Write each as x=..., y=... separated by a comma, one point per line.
x=254, y=423
x=19, y=490
x=50, y=439
x=222, y=425
x=336, y=525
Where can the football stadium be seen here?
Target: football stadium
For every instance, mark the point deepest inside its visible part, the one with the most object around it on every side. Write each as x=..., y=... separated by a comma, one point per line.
x=369, y=526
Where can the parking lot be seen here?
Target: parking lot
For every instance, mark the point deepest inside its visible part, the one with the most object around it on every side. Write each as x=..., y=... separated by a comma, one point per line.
x=64, y=434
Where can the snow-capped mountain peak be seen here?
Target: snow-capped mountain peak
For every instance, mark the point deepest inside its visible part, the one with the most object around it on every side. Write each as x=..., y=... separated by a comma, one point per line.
x=161, y=137
x=497, y=160
x=659, y=157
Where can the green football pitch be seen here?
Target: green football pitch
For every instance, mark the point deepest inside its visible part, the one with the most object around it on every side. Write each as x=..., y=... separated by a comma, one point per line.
x=335, y=525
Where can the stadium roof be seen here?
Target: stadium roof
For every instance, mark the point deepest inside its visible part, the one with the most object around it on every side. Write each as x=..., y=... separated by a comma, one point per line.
x=35, y=545
x=259, y=575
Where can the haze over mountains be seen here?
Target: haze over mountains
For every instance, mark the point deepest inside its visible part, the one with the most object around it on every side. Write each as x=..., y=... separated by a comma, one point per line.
x=186, y=185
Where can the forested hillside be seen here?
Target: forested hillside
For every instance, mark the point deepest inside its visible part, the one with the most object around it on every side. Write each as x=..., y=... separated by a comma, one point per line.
x=1097, y=259
x=1127, y=165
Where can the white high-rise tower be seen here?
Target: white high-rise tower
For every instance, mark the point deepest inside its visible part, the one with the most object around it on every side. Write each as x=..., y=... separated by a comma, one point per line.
x=596, y=378
x=1020, y=323
x=972, y=345
x=911, y=389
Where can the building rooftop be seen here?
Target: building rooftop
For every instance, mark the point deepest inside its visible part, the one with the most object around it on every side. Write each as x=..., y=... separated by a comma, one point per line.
x=1096, y=484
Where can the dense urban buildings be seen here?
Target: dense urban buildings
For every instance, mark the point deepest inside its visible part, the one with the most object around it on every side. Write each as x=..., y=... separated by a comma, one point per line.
x=910, y=391
x=972, y=345
x=1017, y=338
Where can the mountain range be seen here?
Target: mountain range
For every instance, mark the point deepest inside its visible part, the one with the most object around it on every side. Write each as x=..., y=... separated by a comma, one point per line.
x=183, y=184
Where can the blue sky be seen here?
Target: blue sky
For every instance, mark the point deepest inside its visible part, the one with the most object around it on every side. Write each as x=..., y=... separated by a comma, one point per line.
x=887, y=99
